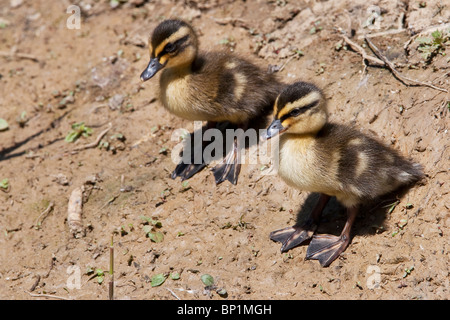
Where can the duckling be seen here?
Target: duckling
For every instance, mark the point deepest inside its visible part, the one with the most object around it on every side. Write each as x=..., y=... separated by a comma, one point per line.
x=215, y=87
x=332, y=160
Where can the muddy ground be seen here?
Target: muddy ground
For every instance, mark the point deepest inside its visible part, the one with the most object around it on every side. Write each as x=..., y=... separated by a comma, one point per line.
x=52, y=76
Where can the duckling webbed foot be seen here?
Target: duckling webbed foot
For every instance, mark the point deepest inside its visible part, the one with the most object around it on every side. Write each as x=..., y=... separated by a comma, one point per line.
x=291, y=237
x=186, y=170
x=294, y=236
x=327, y=248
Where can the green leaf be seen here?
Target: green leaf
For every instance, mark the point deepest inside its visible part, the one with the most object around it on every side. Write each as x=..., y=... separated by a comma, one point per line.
x=3, y=125
x=222, y=292
x=156, y=236
x=207, y=280
x=424, y=40
x=72, y=136
x=156, y=223
x=436, y=34
x=4, y=184
x=147, y=229
x=392, y=206
x=100, y=275
x=175, y=276
x=158, y=279
x=78, y=129
x=402, y=223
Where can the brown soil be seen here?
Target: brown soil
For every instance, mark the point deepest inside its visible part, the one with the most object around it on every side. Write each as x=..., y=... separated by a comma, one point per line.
x=220, y=230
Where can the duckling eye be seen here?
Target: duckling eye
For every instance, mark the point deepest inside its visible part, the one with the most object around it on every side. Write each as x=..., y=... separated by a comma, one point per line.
x=295, y=112
x=169, y=48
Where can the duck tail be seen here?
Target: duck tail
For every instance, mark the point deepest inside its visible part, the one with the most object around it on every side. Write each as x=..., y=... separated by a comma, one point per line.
x=412, y=174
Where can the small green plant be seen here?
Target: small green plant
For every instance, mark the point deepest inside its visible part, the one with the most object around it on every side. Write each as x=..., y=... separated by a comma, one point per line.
x=78, y=130
x=96, y=273
x=207, y=280
x=3, y=125
x=149, y=228
x=434, y=45
x=229, y=42
x=158, y=279
x=4, y=184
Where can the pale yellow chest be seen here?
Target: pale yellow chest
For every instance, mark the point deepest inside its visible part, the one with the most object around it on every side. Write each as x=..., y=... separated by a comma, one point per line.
x=301, y=167
x=182, y=95
x=175, y=95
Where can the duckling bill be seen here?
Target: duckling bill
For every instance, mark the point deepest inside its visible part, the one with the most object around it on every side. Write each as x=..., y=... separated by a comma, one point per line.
x=215, y=87
x=332, y=160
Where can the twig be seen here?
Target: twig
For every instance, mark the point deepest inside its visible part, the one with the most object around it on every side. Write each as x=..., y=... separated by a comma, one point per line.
x=111, y=269
x=38, y=278
x=173, y=293
x=111, y=200
x=96, y=142
x=286, y=62
x=381, y=34
x=405, y=80
x=233, y=21
x=46, y=296
x=19, y=55
x=45, y=212
x=361, y=51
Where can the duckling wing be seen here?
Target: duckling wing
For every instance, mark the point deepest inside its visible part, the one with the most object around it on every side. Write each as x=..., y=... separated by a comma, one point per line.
x=363, y=166
x=235, y=89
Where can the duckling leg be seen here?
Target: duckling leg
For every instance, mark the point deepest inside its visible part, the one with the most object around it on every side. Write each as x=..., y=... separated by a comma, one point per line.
x=291, y=237
x=230, y=167
x=187, y=170
x=326, y=248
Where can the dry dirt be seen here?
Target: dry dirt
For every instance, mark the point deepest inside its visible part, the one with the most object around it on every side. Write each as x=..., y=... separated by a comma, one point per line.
x=52, y=77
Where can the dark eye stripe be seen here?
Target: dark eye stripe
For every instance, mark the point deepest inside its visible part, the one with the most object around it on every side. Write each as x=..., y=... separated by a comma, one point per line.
x=171, y=47
x=297, y=111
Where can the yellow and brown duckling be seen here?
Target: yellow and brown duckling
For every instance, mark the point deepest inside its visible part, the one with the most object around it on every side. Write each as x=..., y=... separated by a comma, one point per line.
x=332, y=160
x=207, y=86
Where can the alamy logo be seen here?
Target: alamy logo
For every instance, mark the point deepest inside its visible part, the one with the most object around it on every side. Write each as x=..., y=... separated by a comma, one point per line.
x=374, y=279
x=74, y=20
x=373, y=18
x=74, y=277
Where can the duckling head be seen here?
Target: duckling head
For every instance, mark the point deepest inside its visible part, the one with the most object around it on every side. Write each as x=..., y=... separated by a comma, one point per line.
x=172, y=44
x=299, y=109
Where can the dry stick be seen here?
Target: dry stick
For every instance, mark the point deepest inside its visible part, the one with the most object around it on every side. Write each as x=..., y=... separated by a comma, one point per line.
x=287, y=61
x=19, y=55
x=46, y=296
x=173, y=293
x=96, y=142
x=383, y=33
x=397, y=74
x=111, y=269
x=361, y=51
x=45, y=212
